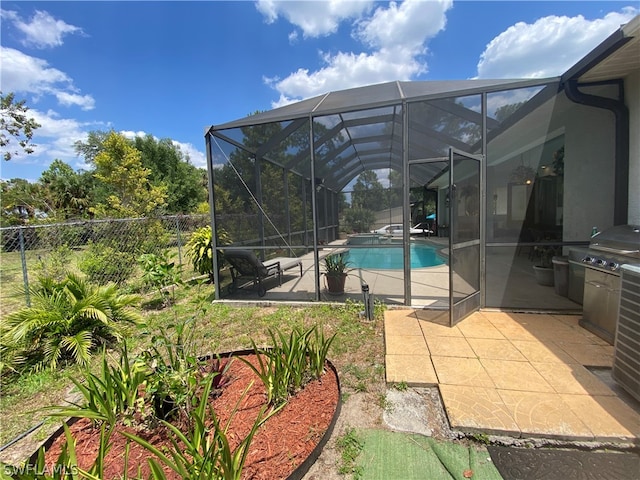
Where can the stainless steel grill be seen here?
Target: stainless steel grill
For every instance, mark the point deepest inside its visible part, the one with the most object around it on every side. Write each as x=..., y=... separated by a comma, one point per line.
x=601, y=263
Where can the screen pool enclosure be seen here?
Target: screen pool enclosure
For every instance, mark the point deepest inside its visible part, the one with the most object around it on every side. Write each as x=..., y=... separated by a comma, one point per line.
x=486, y=169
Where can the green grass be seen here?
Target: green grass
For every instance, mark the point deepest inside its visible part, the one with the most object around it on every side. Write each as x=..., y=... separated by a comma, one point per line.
x=350, y=445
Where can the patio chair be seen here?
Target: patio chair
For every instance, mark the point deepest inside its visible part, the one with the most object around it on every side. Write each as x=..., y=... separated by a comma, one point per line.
x=245, y=265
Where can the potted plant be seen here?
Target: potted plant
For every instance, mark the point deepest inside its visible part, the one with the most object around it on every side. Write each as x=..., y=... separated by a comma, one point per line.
x=544, y=269
x=336, y=268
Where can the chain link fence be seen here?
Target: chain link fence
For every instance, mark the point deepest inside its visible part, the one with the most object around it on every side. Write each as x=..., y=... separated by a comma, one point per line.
x=102, y=250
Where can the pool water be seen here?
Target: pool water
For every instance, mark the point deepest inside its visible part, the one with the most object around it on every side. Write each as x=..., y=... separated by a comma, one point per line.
x=392, y=258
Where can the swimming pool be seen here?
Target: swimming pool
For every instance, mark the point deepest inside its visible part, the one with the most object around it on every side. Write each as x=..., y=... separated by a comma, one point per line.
x=392, y=258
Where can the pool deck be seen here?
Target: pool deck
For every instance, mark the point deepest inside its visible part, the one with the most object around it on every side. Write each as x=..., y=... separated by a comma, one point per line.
x=516, y=375
x=512, y=281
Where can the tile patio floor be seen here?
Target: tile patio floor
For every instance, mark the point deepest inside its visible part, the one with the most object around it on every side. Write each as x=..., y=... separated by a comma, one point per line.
x=519, y=375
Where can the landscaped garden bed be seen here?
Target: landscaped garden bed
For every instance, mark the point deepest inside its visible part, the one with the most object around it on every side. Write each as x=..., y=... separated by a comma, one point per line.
x=154, y=371
x=284, y=446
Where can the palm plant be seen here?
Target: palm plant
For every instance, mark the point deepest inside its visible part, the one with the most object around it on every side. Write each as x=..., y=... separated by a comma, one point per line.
x=199, y=250
x=67, y=321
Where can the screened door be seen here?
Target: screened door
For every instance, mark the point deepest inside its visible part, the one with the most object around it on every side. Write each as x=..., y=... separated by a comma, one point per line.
x=464, y=235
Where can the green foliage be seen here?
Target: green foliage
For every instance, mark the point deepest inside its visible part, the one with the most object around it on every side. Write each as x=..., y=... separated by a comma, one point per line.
x=291, y=362
x=367, y=191
x=115, y=393
x=199, y=250
x=69, y=194
x=55, y=264
x=15, y=126
x=350, y=446
x=174, y=365
x=335, y=264
x=66, y=465
x=103, y=263
x=169, y=166
x=204, y=452
x=119, y=166
x=159, y=272
x=21, y=200
x=67, y=321
x=359, y=219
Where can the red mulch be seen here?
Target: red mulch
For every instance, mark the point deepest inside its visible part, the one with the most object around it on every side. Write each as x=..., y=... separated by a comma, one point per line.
x=277, y=449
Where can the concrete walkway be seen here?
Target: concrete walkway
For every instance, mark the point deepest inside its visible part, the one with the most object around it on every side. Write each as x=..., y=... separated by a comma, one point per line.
x=520, y=375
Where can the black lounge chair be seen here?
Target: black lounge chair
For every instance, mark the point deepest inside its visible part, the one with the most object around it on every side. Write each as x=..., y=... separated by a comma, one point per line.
x=245, y=264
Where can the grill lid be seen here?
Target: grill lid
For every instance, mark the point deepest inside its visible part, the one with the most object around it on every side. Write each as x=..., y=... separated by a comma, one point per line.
x=619, y=240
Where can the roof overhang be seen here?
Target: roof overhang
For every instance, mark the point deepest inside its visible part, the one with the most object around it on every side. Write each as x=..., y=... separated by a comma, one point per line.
x=615, y=58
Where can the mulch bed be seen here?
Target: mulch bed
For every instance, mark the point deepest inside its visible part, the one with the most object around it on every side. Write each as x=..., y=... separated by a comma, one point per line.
x=277, y=450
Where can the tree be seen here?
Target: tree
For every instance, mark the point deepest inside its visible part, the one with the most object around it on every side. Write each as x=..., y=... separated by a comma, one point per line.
x=169, y=166
x=15, y=125
x=94, y=144
x=21, y=201
x=120, y=167
x=68, y=193
x=368, y=192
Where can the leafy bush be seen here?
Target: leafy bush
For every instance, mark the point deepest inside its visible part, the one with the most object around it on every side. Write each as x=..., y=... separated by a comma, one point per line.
x=56, y=263
x=67, y=321
x=102, y=264
x=159, y=272
x=199, y=250
x=359, y=219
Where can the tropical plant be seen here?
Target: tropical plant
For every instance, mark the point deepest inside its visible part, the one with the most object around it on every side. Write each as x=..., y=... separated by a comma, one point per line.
x=66, y=465
x=336, y=264
x=291, y=362
x=204, y=451
x=66, y=322
x=199, y=250
x=103, y=263
x=115, y=393
x=160, y=273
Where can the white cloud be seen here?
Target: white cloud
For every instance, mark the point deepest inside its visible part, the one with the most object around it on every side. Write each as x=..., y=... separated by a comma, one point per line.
x=314, y=18
x=22, y=73
x=55, y=138
x=407, y=25
x=42, y=31
x=396, y=33
x=346, y=70
x=85, y=102
x=131, y=134
x=195, y=156
x=548, y=47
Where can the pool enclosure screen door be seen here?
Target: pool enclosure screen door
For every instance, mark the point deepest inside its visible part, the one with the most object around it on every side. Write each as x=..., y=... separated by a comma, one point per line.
x=464, y=235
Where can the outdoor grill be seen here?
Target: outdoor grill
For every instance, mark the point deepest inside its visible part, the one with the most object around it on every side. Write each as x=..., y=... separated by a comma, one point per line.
x=600, y=266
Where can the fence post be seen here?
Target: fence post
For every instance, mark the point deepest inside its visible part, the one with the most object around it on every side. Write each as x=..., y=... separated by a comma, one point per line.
x=25, y=275
x=179, y=241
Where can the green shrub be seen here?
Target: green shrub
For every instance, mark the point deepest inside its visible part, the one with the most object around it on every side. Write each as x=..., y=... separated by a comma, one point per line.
x=66, y=322
x=199, y=250
x=160, y=273
x=102, y=264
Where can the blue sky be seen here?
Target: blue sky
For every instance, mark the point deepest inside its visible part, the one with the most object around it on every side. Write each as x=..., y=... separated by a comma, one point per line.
x=172, y=68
